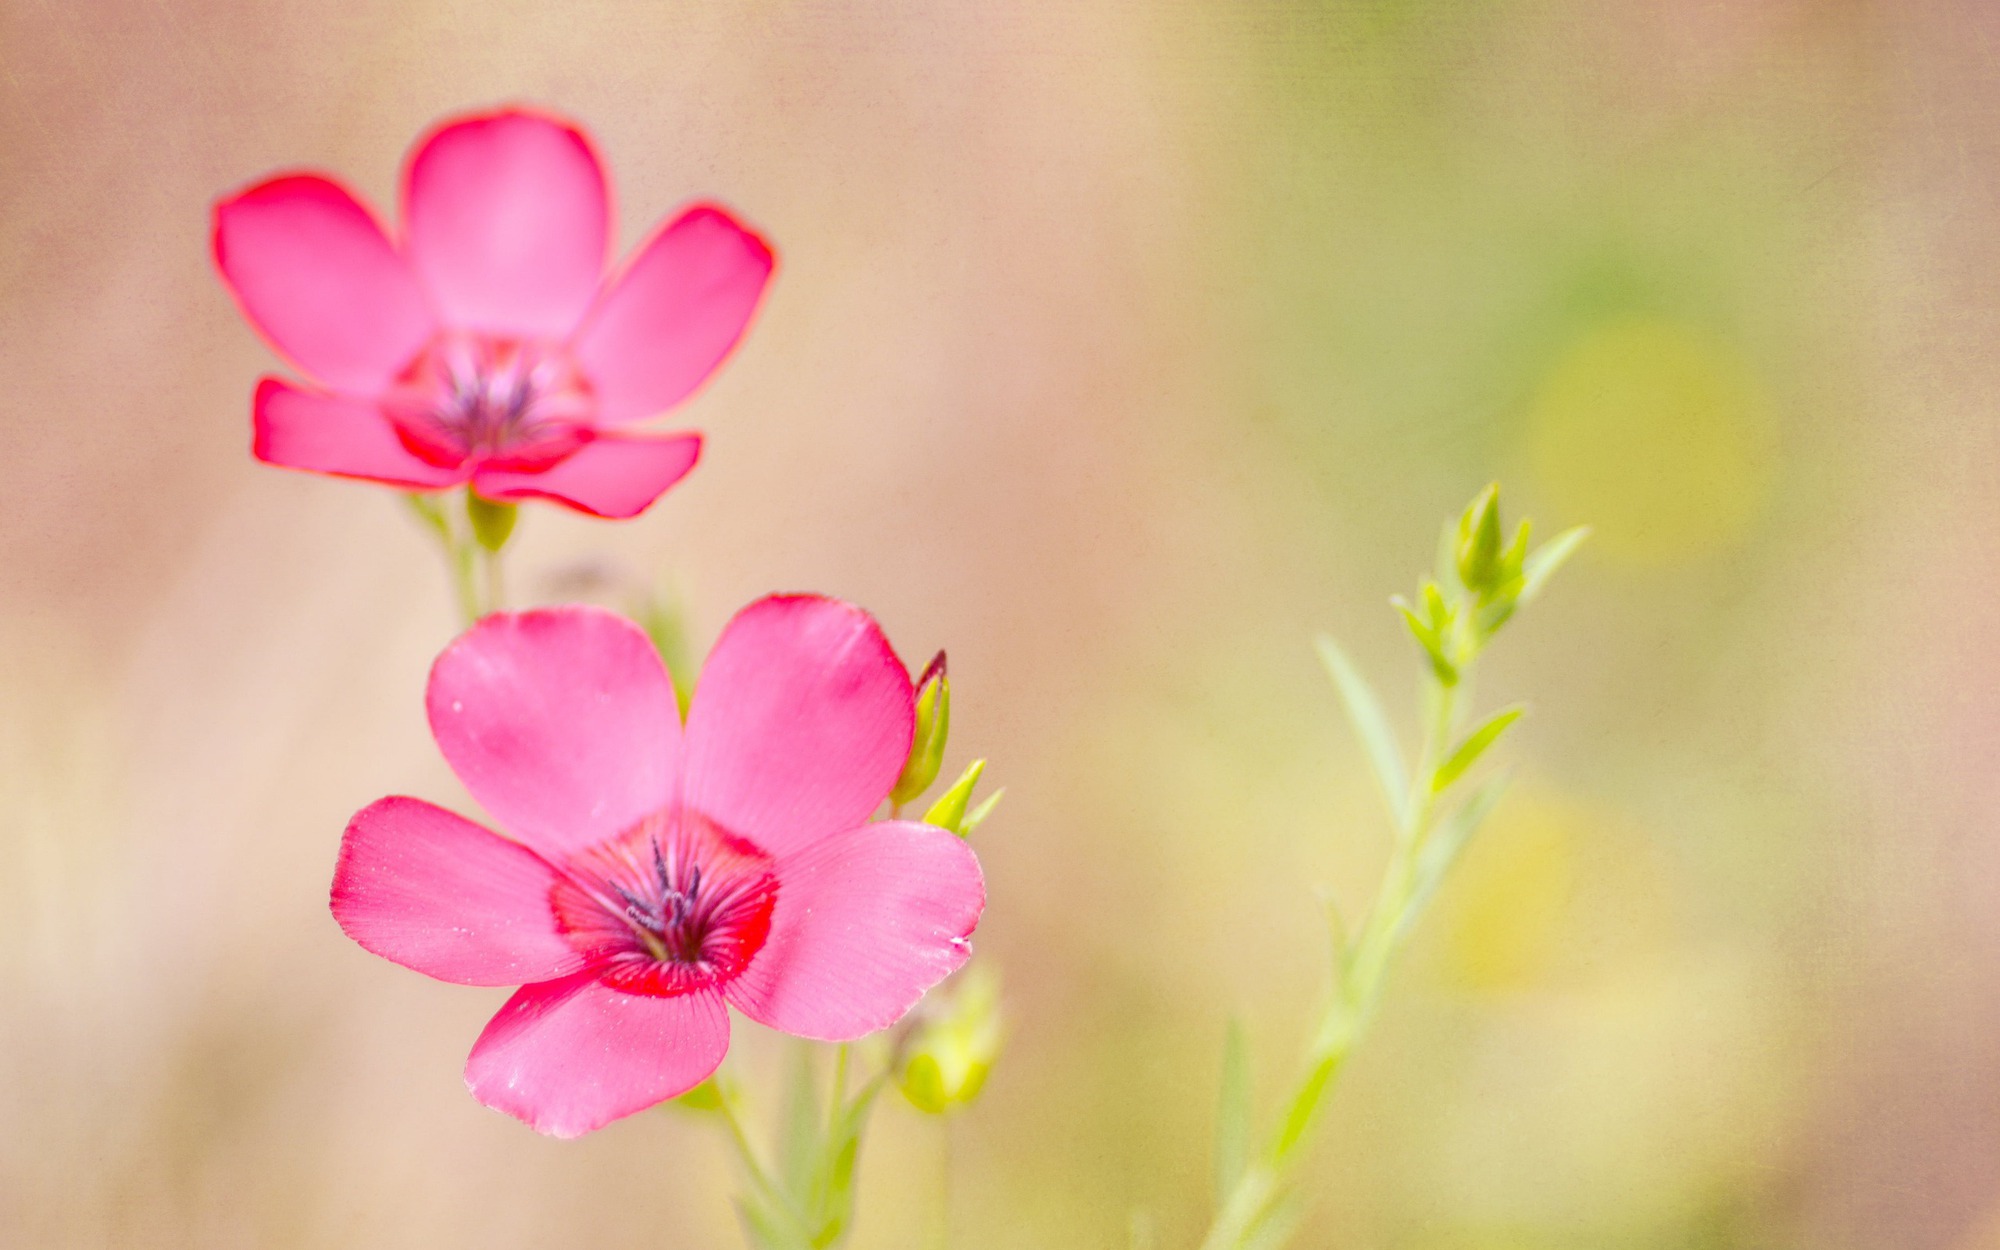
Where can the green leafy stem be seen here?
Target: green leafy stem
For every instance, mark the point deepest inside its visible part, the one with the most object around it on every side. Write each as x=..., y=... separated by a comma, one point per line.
x=472, y=538
x=805, y=1200
x=1479, y=583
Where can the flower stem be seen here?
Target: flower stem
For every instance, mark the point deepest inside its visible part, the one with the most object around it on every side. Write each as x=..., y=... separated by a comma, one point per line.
x=465, y=580
x=745, y=1152
x=1364, y=965
x=472, y=538
x=773, y=1218
x=940, y=1231
x=458, y=552
x=836, y=1102
x=496, y=586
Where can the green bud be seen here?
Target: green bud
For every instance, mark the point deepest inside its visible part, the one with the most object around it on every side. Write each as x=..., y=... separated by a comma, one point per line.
x=1515, y=557
x=1499, y=603
x=1431, y=624
x=927, y=743
x=492, y=523
x=706, y=1096
x=957, y=1038
x=1479, y=543
x=949, y=811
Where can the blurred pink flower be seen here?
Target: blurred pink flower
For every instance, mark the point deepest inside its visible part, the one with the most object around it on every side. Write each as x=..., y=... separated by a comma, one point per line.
x=654, y=873
x=488, y=346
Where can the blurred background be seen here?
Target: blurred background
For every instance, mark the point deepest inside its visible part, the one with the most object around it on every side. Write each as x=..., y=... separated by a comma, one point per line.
x=1118, y=347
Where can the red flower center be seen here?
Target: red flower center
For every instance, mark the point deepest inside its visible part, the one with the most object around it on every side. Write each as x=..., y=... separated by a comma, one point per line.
x=508, y=403
x=674, y=904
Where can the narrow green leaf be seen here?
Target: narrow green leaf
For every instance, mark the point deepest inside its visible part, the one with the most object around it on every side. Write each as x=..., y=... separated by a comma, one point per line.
x=834, y=1194
x=1445, y=845
x=1474, y=745
x=1420, y=629
x=428, y=511
x=977, y=816
x=1232, y=1121
x=1364, y=711
x=1304, y=1109
x=833, y=1188
x=1430, y=633
x=768, y=1228
x=1281, y=1218
x=949, y=811
x=1542, y=563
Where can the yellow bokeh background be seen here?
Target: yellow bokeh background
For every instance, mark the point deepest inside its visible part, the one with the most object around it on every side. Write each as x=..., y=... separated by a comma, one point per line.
x=1658, y=432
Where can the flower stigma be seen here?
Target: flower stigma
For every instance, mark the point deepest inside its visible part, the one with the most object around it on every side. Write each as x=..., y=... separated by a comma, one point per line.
x=509, y=403
x=672, y=905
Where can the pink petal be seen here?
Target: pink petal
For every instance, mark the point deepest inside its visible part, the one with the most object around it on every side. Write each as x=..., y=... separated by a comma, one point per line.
x=669, y=320
x=314, y=272
x=800, y=724
x=432, y=891
x=560, y=721
x=570, y=1056
x=866, y=922
x=506, y=217
x=613, y=475
x=334, y=434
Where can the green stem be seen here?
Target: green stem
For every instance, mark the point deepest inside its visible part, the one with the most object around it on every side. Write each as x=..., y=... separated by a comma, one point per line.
x=744, y=1150
x=769, y=1196
x=835, y=1107
x=1363, y=971
x=940, y=1231
x=465, y=579
x=458, y=552
x=496, y=586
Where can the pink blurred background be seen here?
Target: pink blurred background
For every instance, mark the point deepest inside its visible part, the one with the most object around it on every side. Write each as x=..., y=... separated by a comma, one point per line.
x=1119, y=348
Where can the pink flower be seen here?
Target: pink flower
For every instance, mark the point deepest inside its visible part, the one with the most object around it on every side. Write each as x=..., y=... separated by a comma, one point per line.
x=655, y=873
x=487, y=346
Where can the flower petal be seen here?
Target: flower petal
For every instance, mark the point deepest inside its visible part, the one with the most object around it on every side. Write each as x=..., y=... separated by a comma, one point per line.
x=430, y=890
x=866, y=921
x=313, y=271
x=560, y=721
x=674, y=314
x=613, y=475
x=333, y=434
x=570, y=1056
x=506, y=217
x=800, y=724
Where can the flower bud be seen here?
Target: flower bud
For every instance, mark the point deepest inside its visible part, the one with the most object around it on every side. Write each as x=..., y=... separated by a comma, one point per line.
x=927, y=743
x=1433, y=623
x=1478, y=548
x=492, y=523
x=956, y=1041
x=707, y=1096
